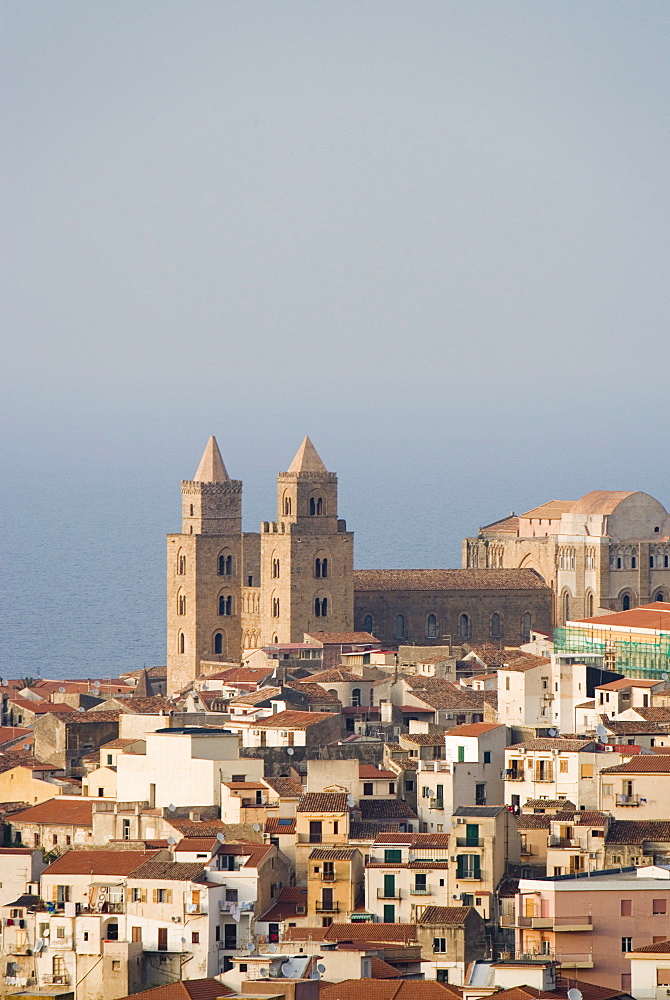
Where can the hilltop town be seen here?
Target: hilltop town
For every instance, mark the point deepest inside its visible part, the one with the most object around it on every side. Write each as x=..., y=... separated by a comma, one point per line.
x=443, y=784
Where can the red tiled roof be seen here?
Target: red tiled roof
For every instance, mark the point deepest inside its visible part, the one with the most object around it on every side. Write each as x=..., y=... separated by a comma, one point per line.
x=475, y=729
x=654, y=616
x=292, y=720
x=631, y=831
x=370, y=772
x=447, y=579
x=188, y=989
x=197, y=845
x=382, y=970
x=323, y=802
x=173, y=871
x=626, y=682
x=385, y=809
x=286, y=905
x=414, y=839
x=276, y=825
x=445, y=915
x=344, y=638
x=548, y=743
x=58, y=812
x=659, y=948
x=98, y=862
x=642, y=764
x=371, y=932
x=387, y=989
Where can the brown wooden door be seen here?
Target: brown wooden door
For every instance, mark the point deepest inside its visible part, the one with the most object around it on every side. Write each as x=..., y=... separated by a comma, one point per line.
x=162, y=939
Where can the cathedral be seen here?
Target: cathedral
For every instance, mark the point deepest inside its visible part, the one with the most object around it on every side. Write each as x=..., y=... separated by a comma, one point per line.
x=229, y=590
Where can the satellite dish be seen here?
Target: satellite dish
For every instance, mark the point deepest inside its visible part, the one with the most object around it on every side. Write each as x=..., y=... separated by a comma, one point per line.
x=171, y=807
x=264, y=973
x=81, y=709
x=273, y=949
x=221, y=839
x=288, y=970
x=171, y=840
x=62, y=690
x=321, y=967
x=96, y=684
x=290, y=751
x=183, y=940
x=26, y=746
x=251, y=947
x=553, y=732
x=430, y=793
x=256, y=827
x=574, y=994
x=665, y=675
x=351, y=801
x=602, y=733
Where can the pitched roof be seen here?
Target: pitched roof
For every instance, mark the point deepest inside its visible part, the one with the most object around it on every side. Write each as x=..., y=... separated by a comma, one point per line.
x=211, y=468
x=630, y=831
x=385, y=809
x=322, y=802
x=98, y=862
x=445, y=915
x=371, y=932
x=387, y=989
x=58, y=812
x=336, y=675
x=567, y=746
x=307, y=459
x=552, y=510
x=424, y=739
x=292, y=720
x=627, y=682
x=180, y=871
x=534, y=821
x=333, y=854
x=474, y=729
x=424, y=840
x=659, y=948
x=285, y=906
x=279, y=824
x=648, y=616
x=197, y=845
x=633, y=727
x=447, y=579
x=370, y=772
x=187, y=989
x=483, y=811
x=255, y=697
x=382, y=970
x=525, y=661
x=642, y=764
x=286, y=788
x=344, y=638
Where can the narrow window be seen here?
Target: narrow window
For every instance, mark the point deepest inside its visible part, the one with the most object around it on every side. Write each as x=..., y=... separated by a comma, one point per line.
x=625, y=602
x=317, y=568
x=312, y=506
x=399, y=627
x=463, y=627
x=633, y=562
x=659, y=596
x=496, y=626
x=218, y=643
x=191, y=510
x=526, y=625
x=275, y=609
x=651, y=562
x=324, y=608
x=666, y=562
x=181, y=643
x=222, y=565
x=431, y=627
x=319, y=506
x=222, y=605
x=317, y=607
x=367, y=623
x=324, y=568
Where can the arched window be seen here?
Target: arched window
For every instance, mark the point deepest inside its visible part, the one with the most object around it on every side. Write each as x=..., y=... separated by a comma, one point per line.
x=431, y=627
x=526, y=625
x=275, y=568
x=319, y=505
x=566, y=605
x=287, y=506
x=312, y=506
x=355, y=697
x=400, y=627
x=321, y=607
x=496, y=626
x=633, y=562
x=625, y=602
x=218, y=643
x=225, y=605
x=660, y=596
x=181, y=604
x=463, y=627
x=276, y=640
x=181, y=565
x=317, y=567
x=589, y=605
x=324, y=568
x=222, y=565
x=367, y=623
x=275, y=608
x=316, y=506
x=181, y=643
x=652, y=562
x=666, y=562
x=619, y=562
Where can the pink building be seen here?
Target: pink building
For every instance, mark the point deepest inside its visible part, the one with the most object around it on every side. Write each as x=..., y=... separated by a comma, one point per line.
x=594, y=921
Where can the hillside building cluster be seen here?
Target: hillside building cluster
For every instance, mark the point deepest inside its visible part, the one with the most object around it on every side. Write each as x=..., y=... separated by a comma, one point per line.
x=351, y=783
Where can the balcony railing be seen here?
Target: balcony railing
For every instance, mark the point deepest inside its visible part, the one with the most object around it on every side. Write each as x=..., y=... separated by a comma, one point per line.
x=470, y=875
x=575, y=923
x=384, y=894
x=328, y=877
x=469, y=842
x=563, y=842
x=436, y=804
x=512, y=774
x=55, y=979
x=323, y=907
x=628, y=800
x=417, y=891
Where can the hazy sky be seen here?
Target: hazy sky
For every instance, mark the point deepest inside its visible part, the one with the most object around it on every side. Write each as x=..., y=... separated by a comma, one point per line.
x=432, y=235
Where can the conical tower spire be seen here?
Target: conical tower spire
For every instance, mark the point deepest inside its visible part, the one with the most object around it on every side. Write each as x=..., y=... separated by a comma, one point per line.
x=307, y=459
x=211, y=468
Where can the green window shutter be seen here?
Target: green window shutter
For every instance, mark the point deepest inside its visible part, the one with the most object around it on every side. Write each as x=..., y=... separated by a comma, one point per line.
x=392, y=857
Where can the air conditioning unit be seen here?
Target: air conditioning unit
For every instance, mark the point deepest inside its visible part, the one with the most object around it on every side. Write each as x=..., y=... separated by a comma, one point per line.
x=609, y=748
x=460, y=819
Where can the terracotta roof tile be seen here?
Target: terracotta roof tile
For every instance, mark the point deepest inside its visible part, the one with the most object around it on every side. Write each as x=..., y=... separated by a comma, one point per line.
x=424, y=739
x=292, y=720
x=334, y=854
x=475, y=729
x=179, y=871
x=660, y=948
x=323, y=802
x=371, y=773
x=445, y=914
x=385, y=809
x=447, y=579
x=629, y=831
x=278, y=824
x=188, y=989
x=336, y=675
x=387, y=989
x=344, y=638
x=642, y=764
x=567, y=746
x=98, y=862
x=286, y=905
x=286, y=788
x=58, y=812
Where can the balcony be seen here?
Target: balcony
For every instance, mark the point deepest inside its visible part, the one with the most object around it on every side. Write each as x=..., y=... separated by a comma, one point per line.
x=564, y=842
x=416, y=891
x=436, y=803
x=383, y=894
x=323, y=907
x=55, y=979
x=469, y=842
x=512, y=774
x=546, y=776
x=583, y=960
x=576, y=923
x=470, y=875
x=628, y=800
x=328, y=877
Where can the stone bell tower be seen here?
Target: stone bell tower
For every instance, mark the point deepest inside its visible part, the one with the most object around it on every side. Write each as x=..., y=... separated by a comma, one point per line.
x=307, y=556
x=204, y=572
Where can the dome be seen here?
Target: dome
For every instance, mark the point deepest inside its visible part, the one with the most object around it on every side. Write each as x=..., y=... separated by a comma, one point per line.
x=602, y=501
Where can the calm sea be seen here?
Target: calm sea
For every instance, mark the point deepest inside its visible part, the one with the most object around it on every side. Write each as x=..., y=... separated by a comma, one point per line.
x=83, y=569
